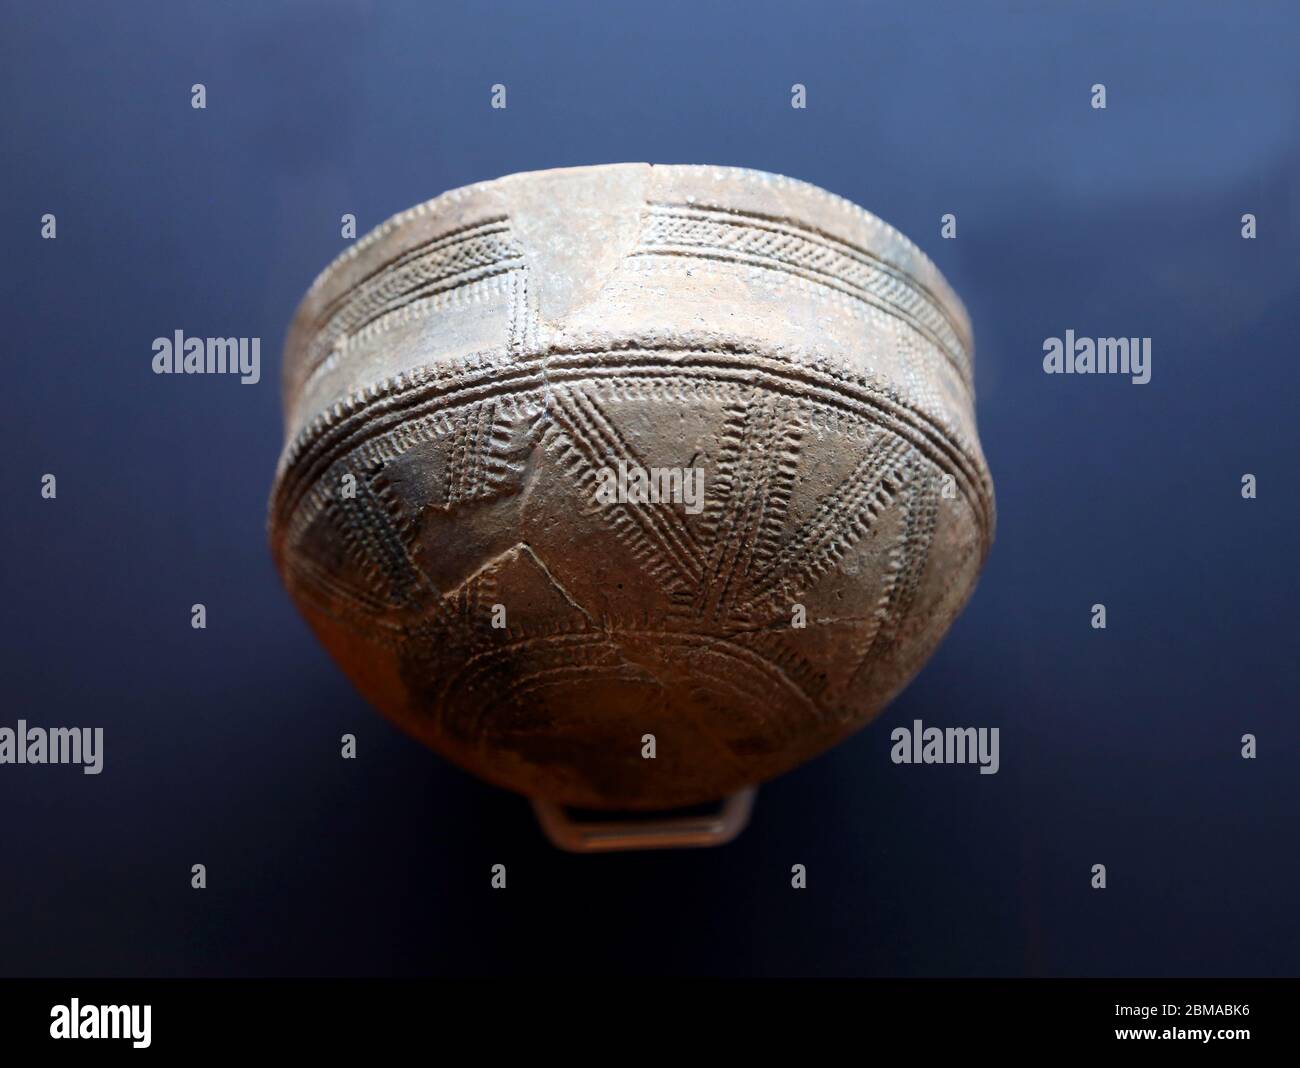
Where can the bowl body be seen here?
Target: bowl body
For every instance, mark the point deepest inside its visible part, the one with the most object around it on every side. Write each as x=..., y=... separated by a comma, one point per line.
x=578, y=457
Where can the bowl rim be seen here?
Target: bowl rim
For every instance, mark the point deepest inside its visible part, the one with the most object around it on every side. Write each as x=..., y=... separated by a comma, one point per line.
x=880, y=239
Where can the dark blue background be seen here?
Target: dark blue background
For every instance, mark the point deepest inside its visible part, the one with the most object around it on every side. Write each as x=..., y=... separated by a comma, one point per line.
x=222, y=746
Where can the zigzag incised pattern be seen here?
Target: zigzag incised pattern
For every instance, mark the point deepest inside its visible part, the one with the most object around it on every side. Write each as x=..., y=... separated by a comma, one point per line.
x=830, y=496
